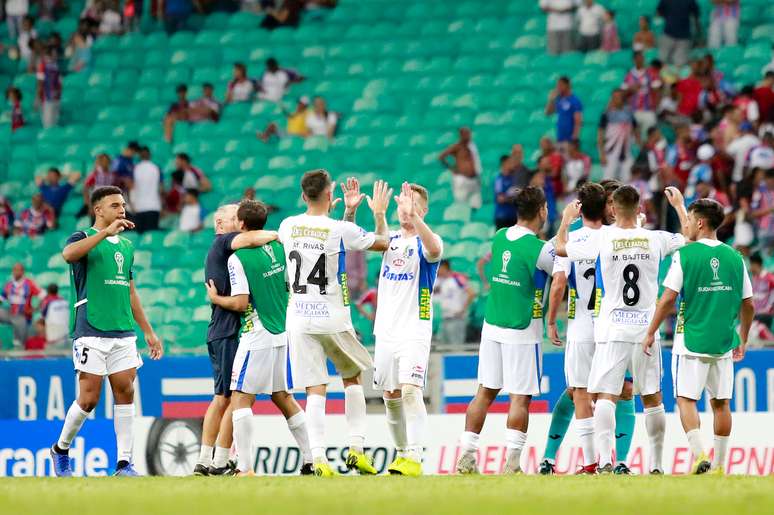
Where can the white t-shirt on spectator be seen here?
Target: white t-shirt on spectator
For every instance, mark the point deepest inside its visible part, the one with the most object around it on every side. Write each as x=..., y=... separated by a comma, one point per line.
x=559, y=21
x=738, y=149
x=191, y=217
x=273, y=85
x=451, y=294
x=318, y=125
x=145, y=194
x=57, y=320
x=17, y=7
x=23, y=42
x=242, y=91
x=590, y=19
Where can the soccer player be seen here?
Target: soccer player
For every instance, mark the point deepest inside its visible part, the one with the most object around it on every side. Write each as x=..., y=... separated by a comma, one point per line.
x=404, y=326
x=222, y=340
x=259, y=293
x=106, y=307
x=319, y=321
x=628, y=259
x=581, y=297
x=712, y=282
x=510, y=356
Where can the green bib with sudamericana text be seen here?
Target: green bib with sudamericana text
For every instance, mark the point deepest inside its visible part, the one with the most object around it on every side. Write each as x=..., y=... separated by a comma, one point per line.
x=108, y=306
x=514, y=294
x=265, y=271
x=711, y=297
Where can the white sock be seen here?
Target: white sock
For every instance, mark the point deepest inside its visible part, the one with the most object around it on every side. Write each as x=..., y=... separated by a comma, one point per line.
x=655, y=424
x=123, y=422
x=355, y=413
x=221, y=457
x=315, y=423
x=72, y=424
x=396, y=421
x=585, y=429
x=243, y=437
x=694, y=442
x=515, y=440
x=469, y=441
x=721, y=446
x=297, y=426
x=205, y=455
x=416, y=420
x=604, y=429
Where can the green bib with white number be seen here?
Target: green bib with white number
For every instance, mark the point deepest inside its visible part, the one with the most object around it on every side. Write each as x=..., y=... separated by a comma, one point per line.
x=265, y=271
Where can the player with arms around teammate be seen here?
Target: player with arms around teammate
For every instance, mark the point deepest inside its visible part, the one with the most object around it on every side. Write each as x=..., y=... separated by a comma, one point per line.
x=319, y=321
x=222, y=340
x=712, y=281
x=105, y=307
x=259, y=293
x=627, y=262
x=578, y=277
x=404, y=326
x=510, y=357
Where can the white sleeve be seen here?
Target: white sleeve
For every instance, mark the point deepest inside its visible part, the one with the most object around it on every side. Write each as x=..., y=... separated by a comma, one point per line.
x=674, y=278
x=562, y=265
x=545, y=260
x=440, y=256
x=355, y=238
x=282, y=232
x=670, y=242
x=584, y=247
x=237, y=276
x=747, y=290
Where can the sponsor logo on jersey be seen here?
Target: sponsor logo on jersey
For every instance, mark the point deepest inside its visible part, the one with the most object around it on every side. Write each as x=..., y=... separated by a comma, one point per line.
x=312, y=309
x=119, y=262
x=627, y=317
x=392, y=276
x=537, y=304
x=630, y=243
x=505, y=258
x=270, y=251
x=398, y=262
x=680, y=326
x=571, y=303
x=715, y=265
x=425, y=304
x=317, y=233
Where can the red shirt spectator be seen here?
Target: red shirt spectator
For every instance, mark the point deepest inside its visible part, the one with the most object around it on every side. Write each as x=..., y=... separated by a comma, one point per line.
x=367, y=299
x=36, y=219
x=6, y=218
x=764, y=95
x=37, y=342
x=14, y=96
x=19, y=291
x=690, y=89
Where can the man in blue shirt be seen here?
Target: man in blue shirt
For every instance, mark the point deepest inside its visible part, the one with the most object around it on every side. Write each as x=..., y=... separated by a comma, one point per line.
x=675, y=43
x=505, y=189
x=53, y=191
x=123, y=165
x=569, y=112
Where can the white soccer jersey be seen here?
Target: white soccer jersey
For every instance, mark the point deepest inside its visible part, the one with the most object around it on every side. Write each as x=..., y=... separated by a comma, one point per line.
x=406, y=280
x=581, y=291
x=315, y=248
x=627, y=263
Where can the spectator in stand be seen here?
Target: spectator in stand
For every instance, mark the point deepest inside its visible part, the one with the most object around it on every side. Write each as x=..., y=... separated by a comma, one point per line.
x=100, y=176
x=369, y=300
x=454, y=295
x=577, y=167
x=286, y=14
x=689, y=90
x=747, y=105
x=559, y=24
x=14, y=96
x=27, y=35
x=647, y=207
x=505, y=191
x=654, y=153
x=740, y=148
x=53, y=191
x=296, y=123
x=49, y=87
x=764, y=97
x=540, y=179
x=80, y=54
x=724, y=24
x=15, y=11
x=18, y=294
x=569, y=112
x=617, y=130
x=193, y=178
x=6, y=218
x=675, y=43
x=36, y=219
x=320, y=121
x=56, y=312
x=191, y=214
x=466, y=169
x=591, y=15
x=178, y=111
x=240, y=88
x=763, y=290
x=550, y=160
x=610, y=40
x=729, y=127
x=175, y=14
x=275, y=81
x=146, y=193
x=206, y=107
x=642, y=85
x=38, y=340
x=763, y=210
x=123, y=165
x=701, y=172
x=644, y=39
x=110, y=21
x=516, y=163
x=681, y=155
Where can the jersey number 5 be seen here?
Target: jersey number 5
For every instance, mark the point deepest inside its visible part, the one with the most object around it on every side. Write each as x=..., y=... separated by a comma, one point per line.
x=316, y=276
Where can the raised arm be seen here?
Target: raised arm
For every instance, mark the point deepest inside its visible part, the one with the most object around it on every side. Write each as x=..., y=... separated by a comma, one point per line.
x=378, y=205
x=570, y=213
x=77, y=250
x=677, y=201
x=352, y=198
x=154, y=344
x=430, y=244
x=665, y=305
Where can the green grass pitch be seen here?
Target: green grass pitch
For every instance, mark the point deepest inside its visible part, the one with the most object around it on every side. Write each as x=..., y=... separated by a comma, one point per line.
x=390, y=495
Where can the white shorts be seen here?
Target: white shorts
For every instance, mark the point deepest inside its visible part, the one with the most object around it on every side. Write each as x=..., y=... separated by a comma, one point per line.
x=398, y=362
x=692, y=374
x=577, y=363
x=308, y=353
x=260, y=370
x=513, y=367
x=611, y=359
x=105, y=356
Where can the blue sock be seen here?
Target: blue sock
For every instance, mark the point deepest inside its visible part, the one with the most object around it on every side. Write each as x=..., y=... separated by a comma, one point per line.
x=560, y=421
x=624, y=428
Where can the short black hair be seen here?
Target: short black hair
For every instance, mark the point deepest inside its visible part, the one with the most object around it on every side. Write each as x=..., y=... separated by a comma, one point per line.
x=185, y=157
x=181, y=88
x=709, y=210
x=133, y=145
x=593, y=200
x=609, y=185
x=55, y=170
x=52, y=289
x=207, y=85
x=253, y=213
x=241, y=67
x=272, y=63
x=104, y=191
x=446, y=263
x=503, y=158
x=626, y=197
x=565, y=79
x=192, y=191
x=314, y=182
x=769, y=174
x=756, y=258
x=529, y=202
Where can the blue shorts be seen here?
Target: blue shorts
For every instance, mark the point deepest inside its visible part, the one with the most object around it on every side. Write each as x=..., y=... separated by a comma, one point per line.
x=222, y=352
